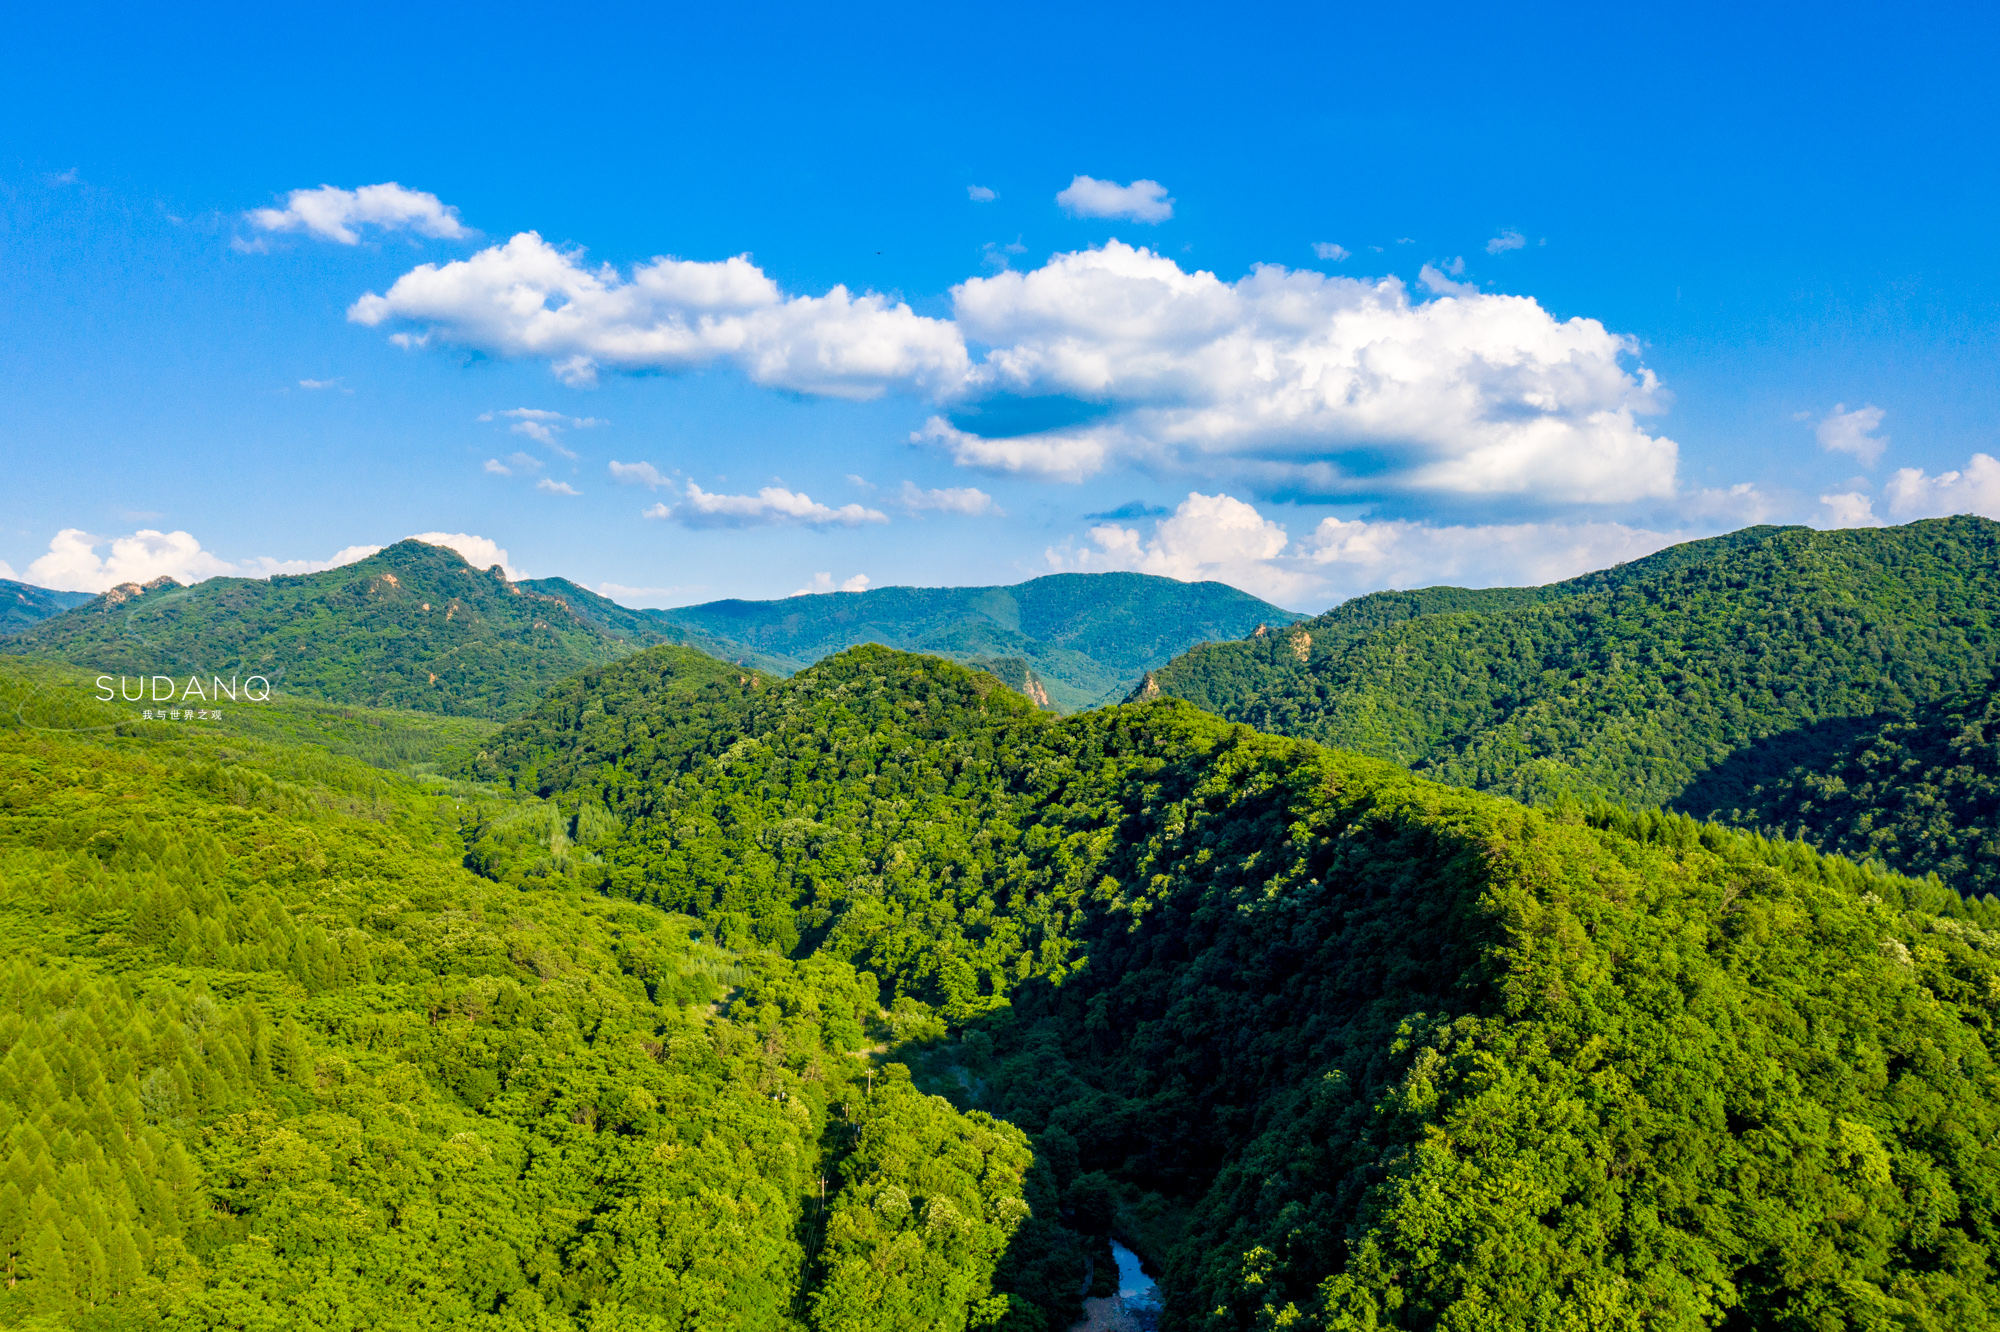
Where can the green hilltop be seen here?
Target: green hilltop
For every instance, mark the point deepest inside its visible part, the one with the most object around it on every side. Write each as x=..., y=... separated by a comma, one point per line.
x=413, y=626
x=1685, y=680
x=874, y=998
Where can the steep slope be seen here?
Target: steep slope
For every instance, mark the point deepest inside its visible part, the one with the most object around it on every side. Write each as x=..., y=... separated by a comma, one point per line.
x=23, y=604
x=271, y=1057
x=1356, y=1049
x=1086, y=637
x=413, y=626
x=1919, y=793
x=1654, y=683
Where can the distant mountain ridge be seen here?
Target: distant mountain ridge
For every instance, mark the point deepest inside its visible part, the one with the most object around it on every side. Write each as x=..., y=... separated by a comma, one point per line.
x=415, y=626
x=1084, y=637
x=412, y=626
x=24, y=604
x=1687, y=679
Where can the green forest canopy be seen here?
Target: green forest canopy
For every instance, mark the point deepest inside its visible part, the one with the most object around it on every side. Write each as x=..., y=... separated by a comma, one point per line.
x=1686, y=679
x=869, y=998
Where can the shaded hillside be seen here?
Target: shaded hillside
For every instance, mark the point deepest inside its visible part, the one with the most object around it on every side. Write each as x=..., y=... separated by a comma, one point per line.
x=1919, y=793
x=23, y=604
x=1086, y=637
x=1636, y=682
x=413, y=626
x=1394, y=1054
x=271, y=1057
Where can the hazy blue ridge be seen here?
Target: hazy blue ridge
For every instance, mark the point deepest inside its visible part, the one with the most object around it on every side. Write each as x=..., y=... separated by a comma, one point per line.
x=23, y=604
x=1087, y=637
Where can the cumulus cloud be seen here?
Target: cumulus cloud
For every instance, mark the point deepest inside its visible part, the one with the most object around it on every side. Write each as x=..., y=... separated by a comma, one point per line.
x=1505, y=241
x=494, y=467
x=1328, y=384
x=980, y=194
x=1329, y=251
x=1850, y=509
x=337, y=215
x=1141, y=201
x=1975, y=488
x=1842, y=431
x=480, y=552
x=1225, y=539
x=317, y=384
x=529, y=298
x=823, y=582
x=770, y=506
x=951, y=499
x=1294, y=379
x=549, y=487
x=638, y=474
x=73, y=562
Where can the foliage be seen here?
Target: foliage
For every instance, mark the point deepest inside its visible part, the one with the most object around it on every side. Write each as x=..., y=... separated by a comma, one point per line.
x=1404, y=1055
x=1920, y=794
x=1685, y=679
x=1085, y=636
x=23, y=604
x=413, y=626
x=270, y=1057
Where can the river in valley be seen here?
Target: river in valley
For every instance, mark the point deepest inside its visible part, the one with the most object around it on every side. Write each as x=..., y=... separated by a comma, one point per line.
x=1136, y=1306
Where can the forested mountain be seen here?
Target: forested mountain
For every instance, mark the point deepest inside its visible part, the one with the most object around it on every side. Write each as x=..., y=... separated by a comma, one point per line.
x=413, y=626
x=1343, y=1047
x=23, y=604
x=1083, y=637
x=1920, y=793
x=271, y=1057
x=1685, y=679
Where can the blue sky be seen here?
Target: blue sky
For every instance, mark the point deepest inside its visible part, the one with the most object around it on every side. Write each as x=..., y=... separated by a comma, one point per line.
x=1468, y=295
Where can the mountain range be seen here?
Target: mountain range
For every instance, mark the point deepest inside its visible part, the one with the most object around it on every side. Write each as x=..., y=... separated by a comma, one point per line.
x=415, y=626
x=875, y=995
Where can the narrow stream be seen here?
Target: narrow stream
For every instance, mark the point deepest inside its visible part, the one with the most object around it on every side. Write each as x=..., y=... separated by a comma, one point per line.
x=1136, y=1306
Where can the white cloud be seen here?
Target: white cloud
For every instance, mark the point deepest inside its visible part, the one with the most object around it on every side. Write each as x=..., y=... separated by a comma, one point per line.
x=7, y=571
x=980, y=194
x=542, y=425
x=528, y=298
x=334, y=214
x=638, y=474
x=1505, y=241
x=74, y=565
x=1222, y=538
x=1294, y=373
x=1439, y=281
x=1974, y=489
x=1299, y=380
x=495, y=467
x=771, y=506
x=480, y=552
x=323, y=384
x=549, y=487
x=1850, y=509
x=1842, y=431
x=952, y=499
x=1328, y=250
x=823, y=582
x=1141, y=201
x=1208, y=537
x=643, y=598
